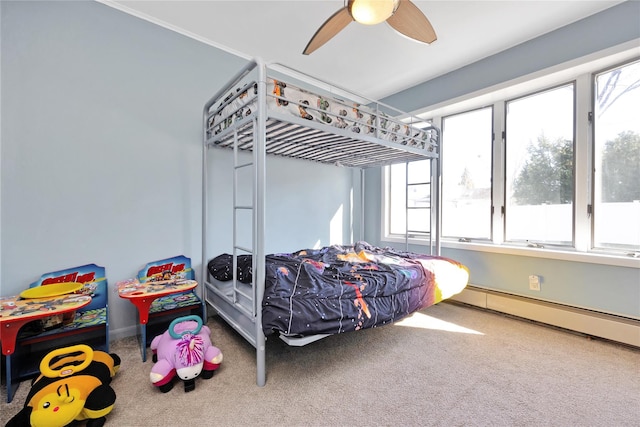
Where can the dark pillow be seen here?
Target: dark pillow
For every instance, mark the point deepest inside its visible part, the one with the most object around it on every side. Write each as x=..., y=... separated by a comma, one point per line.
x=220, y=268
x=245, y=271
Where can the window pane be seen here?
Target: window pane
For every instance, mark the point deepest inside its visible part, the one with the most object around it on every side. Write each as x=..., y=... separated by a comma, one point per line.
x=466, y=174
x=419, y=192
x=419, y=221
x=419, y=195
x=539, y=167
x=419, y=172
x=616, y=212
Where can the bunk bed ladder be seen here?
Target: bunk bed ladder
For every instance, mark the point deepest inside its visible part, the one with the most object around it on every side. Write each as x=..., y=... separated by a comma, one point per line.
x=434, y=213
x=257, y=207
x=237, y=208
x=238, y=298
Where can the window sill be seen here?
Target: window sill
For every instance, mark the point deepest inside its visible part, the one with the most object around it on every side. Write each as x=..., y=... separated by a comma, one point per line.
x=556, y=254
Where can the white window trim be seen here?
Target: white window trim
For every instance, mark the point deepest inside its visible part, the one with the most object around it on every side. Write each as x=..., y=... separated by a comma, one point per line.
x=592, y=257
x=582, y=162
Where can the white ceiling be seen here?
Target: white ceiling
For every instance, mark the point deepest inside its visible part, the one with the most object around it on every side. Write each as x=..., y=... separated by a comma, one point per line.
x=373, y=61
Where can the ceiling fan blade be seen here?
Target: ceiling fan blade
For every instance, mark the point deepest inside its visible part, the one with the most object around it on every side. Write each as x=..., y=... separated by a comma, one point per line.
x=330, y=28
x=410, y=21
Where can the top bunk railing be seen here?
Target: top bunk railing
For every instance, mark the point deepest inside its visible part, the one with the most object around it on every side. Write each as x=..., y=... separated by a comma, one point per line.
x=326, y=123
x=339, y=91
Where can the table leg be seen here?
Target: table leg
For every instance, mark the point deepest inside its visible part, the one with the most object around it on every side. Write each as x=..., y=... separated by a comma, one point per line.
x=143, y=333
x=8, y=336
x=9, y=379
x=143, y=305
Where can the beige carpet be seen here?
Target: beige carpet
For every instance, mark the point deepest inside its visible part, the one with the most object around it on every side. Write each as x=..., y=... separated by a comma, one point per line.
x=449, y=365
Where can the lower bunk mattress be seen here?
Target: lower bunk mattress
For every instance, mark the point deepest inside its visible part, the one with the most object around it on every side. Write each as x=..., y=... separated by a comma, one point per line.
x=343, y=288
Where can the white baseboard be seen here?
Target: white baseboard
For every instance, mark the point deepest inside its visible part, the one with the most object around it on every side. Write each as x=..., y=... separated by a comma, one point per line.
x=603, y=325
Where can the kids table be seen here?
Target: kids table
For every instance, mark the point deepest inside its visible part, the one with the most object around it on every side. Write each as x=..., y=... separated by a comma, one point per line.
x=143, y=294
x=15, y=312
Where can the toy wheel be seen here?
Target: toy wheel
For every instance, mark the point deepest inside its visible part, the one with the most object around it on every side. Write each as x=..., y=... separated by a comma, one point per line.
x=193, y=317
x=189, y=385
x=96, y=422
x=71, y=367
x=165, y=388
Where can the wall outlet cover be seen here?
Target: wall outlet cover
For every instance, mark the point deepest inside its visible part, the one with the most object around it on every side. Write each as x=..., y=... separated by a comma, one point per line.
x=534, y=282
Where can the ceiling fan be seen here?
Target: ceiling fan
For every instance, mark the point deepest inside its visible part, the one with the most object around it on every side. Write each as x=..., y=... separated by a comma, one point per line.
x=402, y=15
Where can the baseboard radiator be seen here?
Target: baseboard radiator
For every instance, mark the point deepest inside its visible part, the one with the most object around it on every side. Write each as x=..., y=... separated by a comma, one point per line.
x=608, y=326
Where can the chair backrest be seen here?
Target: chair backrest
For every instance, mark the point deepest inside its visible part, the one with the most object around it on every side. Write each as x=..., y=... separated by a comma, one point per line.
x=92, y=276
x=177, y=267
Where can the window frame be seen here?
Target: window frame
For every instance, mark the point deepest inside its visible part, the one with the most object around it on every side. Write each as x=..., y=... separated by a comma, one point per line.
x=582, y=73
x=592, y=157
x=517, y=242
x=492, y=205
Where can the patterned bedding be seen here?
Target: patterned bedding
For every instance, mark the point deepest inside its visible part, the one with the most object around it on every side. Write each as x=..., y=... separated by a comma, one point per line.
x=339, y=289
x=287, y=99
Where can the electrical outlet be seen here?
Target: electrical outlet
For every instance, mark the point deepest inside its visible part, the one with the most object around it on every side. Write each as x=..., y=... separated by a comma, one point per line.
x=534, y=282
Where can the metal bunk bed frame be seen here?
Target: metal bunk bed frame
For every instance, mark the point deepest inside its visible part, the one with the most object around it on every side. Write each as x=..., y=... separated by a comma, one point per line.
x=239, y=306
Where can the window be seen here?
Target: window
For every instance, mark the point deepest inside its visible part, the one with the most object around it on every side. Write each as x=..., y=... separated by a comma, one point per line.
x=616, y=201
x=466, y=174
x=410, y=181
x=539, y=167
x=551, y=163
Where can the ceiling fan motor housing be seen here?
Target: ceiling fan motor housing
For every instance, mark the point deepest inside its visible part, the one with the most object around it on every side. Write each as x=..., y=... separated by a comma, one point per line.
x=372, y=12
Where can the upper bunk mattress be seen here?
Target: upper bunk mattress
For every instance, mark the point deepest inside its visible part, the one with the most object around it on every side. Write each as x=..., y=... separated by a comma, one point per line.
x=288, y=100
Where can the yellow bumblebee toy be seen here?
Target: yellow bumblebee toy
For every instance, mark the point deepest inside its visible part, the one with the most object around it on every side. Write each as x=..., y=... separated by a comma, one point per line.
x=73, y=386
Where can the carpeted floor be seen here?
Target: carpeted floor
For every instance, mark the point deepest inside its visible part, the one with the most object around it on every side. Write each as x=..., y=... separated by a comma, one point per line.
x=449, y=365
